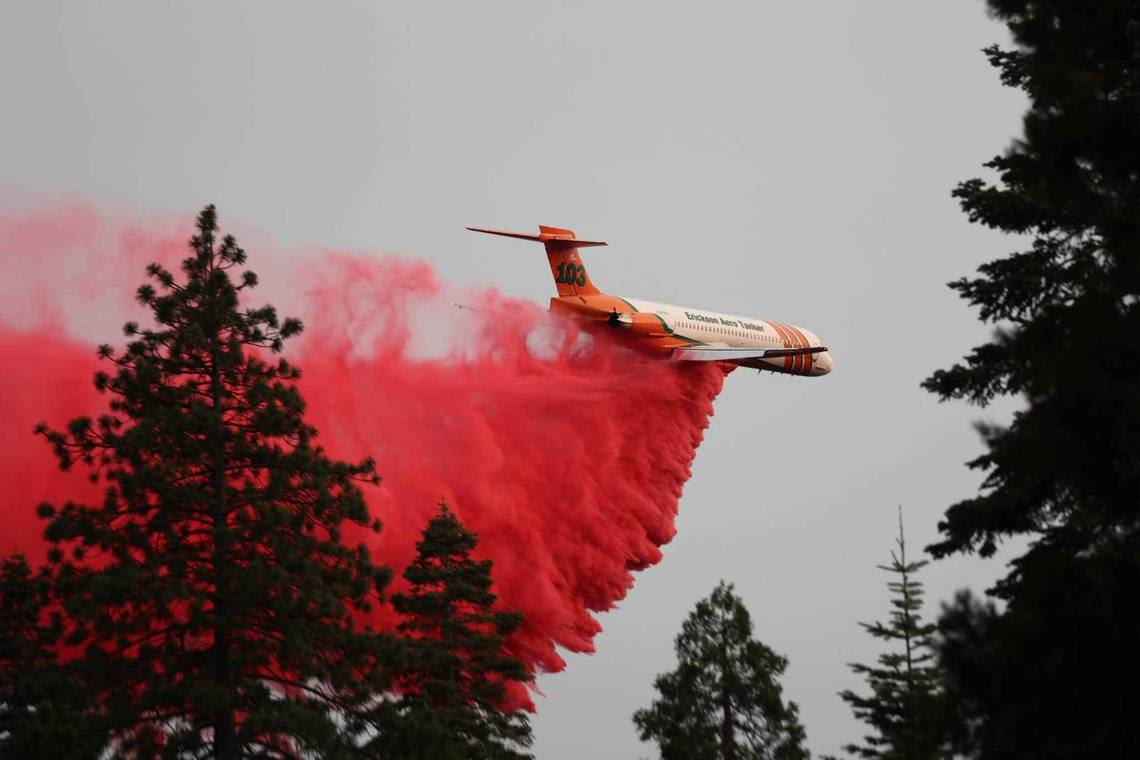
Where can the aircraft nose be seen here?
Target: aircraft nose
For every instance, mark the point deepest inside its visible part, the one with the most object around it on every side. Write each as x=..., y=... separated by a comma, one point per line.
x=822, y=364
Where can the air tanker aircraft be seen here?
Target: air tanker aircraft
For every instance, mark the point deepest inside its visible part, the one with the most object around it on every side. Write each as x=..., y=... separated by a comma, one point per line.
x=682, y=333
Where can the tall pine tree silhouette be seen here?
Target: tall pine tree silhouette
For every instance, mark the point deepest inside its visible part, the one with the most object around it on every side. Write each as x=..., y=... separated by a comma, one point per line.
x=1064, y=475
x=906, y=704
x=210, y=599
x=454, y=682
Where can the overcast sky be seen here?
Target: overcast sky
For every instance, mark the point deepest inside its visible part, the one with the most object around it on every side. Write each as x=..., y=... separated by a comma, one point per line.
x=790, y=161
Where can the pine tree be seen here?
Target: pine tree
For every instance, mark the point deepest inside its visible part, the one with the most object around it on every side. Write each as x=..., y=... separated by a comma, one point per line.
x=40, y=707
x=905, y=707
x=724, y=700
x=209, y=596
x=966, y=653
x=1054, y=673
x=1066, y=472
x=453, y=685
x=1064, y=475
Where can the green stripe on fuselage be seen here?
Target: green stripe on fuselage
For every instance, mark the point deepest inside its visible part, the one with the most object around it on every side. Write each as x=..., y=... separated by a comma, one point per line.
x=668, y=329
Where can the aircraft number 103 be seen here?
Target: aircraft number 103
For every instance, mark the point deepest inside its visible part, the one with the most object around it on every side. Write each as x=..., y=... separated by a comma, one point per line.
x=570, y=274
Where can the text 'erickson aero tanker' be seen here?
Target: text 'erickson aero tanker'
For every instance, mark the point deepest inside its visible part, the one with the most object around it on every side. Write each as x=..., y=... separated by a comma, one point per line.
x=682, y=333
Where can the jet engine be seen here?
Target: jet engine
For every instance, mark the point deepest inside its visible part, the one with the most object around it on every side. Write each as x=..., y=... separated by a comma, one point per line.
x=645, y=325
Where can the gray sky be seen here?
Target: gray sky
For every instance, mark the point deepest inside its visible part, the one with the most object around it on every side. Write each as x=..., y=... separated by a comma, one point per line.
x=790, y=161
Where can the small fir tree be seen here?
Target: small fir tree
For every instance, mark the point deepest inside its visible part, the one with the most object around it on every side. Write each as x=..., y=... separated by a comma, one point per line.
x=905, y=707
x=454, y=683
x=724, y=700
x=209, y=598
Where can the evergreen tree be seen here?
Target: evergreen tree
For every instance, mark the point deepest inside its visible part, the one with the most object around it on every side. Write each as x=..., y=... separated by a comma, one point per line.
x=1054, y=674
x=724, y=700
x=1065, y=473
x=971, y=668
x=906, y=706
x=209, y=597
x=40, y=706
x=453, y=685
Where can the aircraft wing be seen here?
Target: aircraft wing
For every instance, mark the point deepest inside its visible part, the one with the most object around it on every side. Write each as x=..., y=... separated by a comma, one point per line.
x=728, y=354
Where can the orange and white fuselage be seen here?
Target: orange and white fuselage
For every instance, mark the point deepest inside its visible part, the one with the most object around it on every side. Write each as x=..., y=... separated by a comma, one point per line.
x=679, y=332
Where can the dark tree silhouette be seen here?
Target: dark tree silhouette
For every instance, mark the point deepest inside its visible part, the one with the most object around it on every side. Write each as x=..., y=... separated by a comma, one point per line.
x=41, y=701
x=210, y=601
x=453, y=685
x=724, y=700
x=1065, y=473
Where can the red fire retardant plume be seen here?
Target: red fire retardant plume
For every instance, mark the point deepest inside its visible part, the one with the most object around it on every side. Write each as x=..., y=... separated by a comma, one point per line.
x=564, y=451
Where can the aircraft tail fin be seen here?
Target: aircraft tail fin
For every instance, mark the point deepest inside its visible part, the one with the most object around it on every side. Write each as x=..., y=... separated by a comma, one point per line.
x=566, y=265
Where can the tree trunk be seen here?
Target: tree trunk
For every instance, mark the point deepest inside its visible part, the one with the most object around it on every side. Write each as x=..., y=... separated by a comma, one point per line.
x=728, y=730
x=727, y=727
x=224, y=722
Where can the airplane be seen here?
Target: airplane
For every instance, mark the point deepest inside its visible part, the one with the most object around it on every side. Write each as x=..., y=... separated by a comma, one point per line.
x=682, y=333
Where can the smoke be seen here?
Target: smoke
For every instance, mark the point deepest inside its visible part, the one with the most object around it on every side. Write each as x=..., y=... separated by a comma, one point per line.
x=564, y=450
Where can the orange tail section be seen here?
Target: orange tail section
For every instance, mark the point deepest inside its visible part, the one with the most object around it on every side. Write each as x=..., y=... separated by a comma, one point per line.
x=566, y=265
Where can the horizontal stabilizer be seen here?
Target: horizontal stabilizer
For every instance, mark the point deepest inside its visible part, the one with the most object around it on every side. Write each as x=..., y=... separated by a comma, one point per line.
x=561, y=238
x=718, y=354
